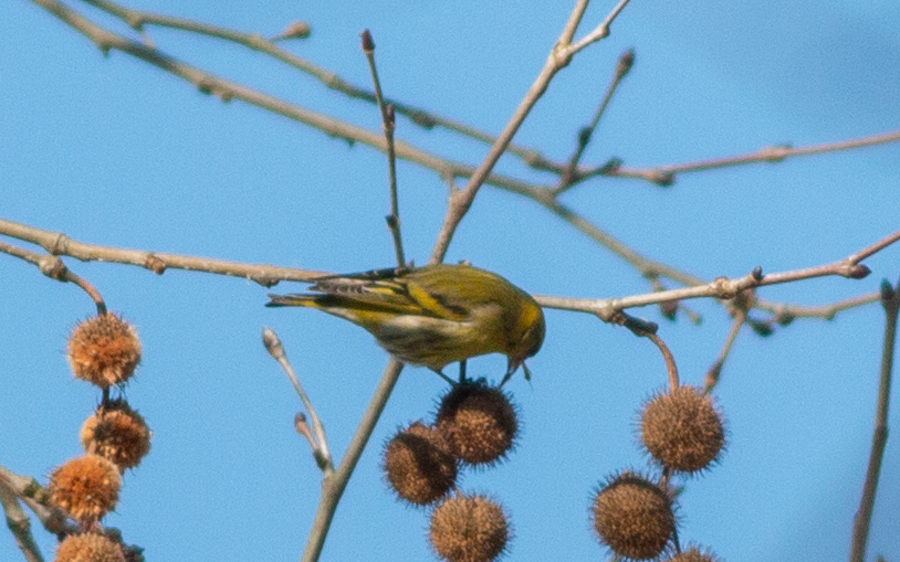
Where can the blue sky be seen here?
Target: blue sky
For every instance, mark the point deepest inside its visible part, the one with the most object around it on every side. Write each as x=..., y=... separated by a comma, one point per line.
x=115, y=152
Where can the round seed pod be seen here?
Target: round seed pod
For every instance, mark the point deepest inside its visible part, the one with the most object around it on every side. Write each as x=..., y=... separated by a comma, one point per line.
x=118, y=433
x=633, y=517
x=89, y=547
x=104, y=350
x=86, y=488
x=682, y=430
x=418, y=466
x=469, y=529
x=478, y=422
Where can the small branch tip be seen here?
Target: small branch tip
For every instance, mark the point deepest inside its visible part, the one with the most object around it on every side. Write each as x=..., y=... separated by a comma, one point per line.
x=859, y=271
x=272, y=343
x=887, y=291
x=368, y=44
x=626, y=61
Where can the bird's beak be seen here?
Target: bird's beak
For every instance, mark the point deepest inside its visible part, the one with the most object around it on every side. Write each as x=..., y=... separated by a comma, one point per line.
x=512, y=366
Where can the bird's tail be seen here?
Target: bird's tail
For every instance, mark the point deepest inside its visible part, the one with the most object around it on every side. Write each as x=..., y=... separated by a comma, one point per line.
x=293, y=300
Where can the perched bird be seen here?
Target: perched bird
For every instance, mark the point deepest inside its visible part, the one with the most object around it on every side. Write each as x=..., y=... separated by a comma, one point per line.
x=433, y=315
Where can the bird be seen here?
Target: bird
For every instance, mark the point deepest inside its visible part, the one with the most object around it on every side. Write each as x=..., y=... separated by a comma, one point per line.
x=433, y=315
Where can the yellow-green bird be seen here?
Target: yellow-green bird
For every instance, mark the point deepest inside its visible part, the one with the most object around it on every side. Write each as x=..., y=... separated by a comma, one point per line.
x=433, y=315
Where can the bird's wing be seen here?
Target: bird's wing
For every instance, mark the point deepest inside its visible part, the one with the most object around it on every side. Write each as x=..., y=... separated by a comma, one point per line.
x=392, y=290
x=379, y=290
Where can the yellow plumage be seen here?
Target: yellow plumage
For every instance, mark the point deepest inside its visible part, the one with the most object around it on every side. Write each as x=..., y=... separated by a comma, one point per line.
x=433, y=315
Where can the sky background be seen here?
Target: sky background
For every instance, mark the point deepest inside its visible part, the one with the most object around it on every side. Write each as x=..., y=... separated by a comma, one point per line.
x=115, y=152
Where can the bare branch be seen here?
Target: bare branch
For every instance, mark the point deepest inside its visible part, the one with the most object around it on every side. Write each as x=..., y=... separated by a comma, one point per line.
x=320, y=443
x=559, y=57
x=671, y=368
x=722, y=287
x=567, y=178
x=19, y=524
x=58, y=244
x=715, y=371
x=666, y=175
x=890, y=301
x=388, y=124
x=419, y=116
x=333, y=486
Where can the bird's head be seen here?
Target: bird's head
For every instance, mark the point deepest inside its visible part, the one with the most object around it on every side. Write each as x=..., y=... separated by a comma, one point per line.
x=525, y=336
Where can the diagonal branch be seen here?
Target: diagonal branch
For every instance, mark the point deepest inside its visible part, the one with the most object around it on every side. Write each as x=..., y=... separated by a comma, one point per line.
x=560, y=56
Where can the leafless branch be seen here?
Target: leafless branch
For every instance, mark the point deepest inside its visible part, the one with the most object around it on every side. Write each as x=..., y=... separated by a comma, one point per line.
x=890, y=301
x=666, y=175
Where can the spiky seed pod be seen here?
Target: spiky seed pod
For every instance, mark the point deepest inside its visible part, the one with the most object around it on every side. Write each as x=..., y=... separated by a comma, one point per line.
x=89, y=547
x=418, y=465
x=694, y=554
x=633, y=517
x=117, y=432
x=682, y=430
x=479, y=423
x=86, y=488
x=104, y=350
x=469, y=529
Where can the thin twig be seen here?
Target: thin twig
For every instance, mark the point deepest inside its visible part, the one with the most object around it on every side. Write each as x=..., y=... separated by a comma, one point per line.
x=559, y=58
x=666, y=175
x=599, y=32
x=722, y=287
x=320, y=445
x=388, y=124
x=54, y=268
x=334, y=485
x=785, y=313
x=715, y=371
x=226, y=90
x=671, y=368
x=445, y=168
x=58, y=244
x=424, y=118
x=567, y=178
x=267, y=275
x=890, y=301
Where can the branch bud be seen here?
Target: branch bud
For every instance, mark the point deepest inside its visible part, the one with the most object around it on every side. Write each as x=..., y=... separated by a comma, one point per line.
x=368, y=44
x=626, y=61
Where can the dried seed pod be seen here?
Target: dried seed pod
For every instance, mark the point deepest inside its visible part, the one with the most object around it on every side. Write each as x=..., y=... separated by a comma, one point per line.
x=682, y=430
x=469, y=529
x=418, y=465
x=479, y=423
x=118, y=433
x=86, y=488
x=104, y=350
x=89, y=547
x=633, y=516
